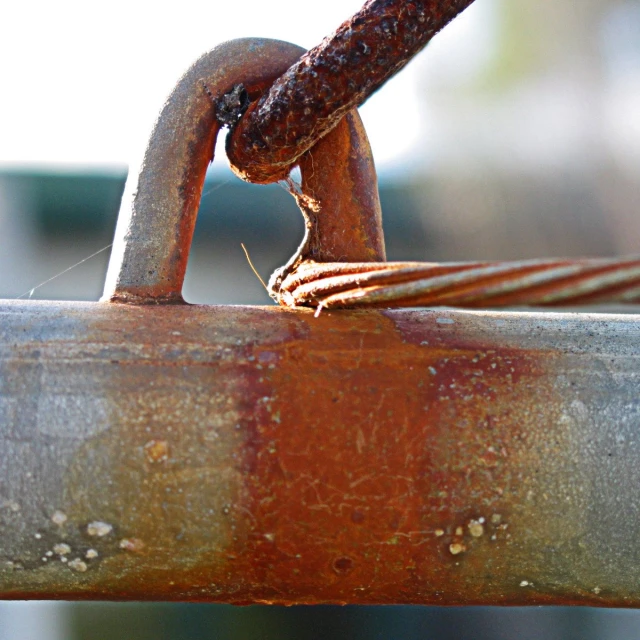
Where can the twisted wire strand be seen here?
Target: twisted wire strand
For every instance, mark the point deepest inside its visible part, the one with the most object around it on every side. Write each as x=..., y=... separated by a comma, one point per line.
x=541, y=282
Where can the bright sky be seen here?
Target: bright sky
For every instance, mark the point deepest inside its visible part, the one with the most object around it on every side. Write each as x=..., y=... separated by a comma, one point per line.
x=81, y=80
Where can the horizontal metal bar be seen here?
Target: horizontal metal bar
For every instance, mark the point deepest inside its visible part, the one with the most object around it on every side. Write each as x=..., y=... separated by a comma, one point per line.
x=251, y=454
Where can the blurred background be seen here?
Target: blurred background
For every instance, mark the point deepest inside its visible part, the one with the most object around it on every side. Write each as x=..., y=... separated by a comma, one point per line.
x=515, y=134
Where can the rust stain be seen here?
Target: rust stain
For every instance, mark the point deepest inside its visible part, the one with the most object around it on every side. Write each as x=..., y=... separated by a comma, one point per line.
x=157, y=450
x=339, y=179
x=382, y=469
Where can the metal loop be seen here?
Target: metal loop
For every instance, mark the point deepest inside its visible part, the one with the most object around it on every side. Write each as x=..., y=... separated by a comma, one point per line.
x=159, y=208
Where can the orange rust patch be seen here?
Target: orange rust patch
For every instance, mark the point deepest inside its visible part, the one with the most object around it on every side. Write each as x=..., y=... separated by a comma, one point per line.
x=371, y=454
x=157, y=450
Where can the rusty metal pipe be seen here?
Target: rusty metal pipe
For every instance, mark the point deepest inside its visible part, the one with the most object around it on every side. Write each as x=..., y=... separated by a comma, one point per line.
x=247, y=454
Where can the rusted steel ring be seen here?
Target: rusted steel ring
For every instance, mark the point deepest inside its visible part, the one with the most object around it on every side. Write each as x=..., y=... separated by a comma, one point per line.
x=160, y=204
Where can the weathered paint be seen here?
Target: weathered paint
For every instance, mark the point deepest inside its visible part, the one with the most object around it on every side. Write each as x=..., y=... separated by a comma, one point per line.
x=248, y=454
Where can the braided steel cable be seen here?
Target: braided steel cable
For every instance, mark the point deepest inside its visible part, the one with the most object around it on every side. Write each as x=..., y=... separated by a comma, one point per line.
x=547, y=282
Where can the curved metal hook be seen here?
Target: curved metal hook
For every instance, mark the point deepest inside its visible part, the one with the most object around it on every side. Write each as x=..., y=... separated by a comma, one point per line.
x=157, y=217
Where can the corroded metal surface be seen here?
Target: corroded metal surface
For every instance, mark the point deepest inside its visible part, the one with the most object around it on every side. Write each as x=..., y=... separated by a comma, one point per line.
x=261, y=455
x=339, y=201
x=159, y=207
x=331, y=79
